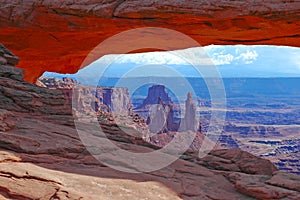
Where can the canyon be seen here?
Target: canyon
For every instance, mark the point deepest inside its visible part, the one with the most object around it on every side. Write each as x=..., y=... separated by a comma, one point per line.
x=42, y=157
x=58, y=35
x=43, y=154
x=267, y=128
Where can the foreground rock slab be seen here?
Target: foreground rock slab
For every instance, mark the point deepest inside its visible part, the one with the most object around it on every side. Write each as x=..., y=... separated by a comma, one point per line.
x=28, y=181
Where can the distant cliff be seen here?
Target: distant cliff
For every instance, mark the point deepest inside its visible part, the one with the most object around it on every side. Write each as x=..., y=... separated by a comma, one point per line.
x=161, y=118
x=89, y=99
x=156, y=92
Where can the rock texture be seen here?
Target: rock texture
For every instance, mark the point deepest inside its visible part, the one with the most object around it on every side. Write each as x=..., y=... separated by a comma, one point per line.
x=21, y=180
x=89, y=99
x=5, y=123
x=155, y=93
x=190, y=122
x=57, y=35
x=20, y=96
x=51, y=161
x=157, y=120
x=117, y=99
x=42, y=157
x=161, y=108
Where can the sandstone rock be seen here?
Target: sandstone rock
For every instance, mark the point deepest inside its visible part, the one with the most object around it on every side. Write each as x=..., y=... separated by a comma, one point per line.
x=57, y=35
x=285, y=180
x=27, y=181
x=58, y=147
x=11, y=72
x=21, y=96
x=117, y=99
x=91, y=99
x=42, y=158
x=161, y=118
x=56, y=83
x=190, y=122
x=3, y=61
x=6, y=123
x=158, y=118
x=238, y=160
x=156, y=92
x=255, y=186
x=8, y=157
x=7, y=56
x=18, y=95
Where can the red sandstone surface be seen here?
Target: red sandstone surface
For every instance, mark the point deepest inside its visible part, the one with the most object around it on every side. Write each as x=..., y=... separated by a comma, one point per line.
x=57, y=35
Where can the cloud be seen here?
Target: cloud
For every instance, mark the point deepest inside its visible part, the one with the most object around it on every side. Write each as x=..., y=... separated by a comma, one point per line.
x=158, y=58
x=222, y=59
x=177, y=57
x=248, y=57
x=212, y=54
x=226, y=55
x=231, y=61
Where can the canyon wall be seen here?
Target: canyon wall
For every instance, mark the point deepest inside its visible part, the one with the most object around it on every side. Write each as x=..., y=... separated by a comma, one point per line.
x=58, y=35
x=161, y=106
x=117, y=99
x=157, y=93
x=90, y=99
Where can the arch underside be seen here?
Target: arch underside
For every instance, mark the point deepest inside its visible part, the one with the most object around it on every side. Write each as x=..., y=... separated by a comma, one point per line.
x=48, y=36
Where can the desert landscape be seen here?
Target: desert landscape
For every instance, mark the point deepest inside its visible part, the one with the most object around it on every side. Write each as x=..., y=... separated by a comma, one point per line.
x=63, y=137
x=268, y=128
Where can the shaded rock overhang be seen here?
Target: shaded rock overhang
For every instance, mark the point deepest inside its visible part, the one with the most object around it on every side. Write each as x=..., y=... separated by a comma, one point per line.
x=58, y=35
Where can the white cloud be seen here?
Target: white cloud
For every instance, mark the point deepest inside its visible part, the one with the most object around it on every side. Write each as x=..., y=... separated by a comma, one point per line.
x=266, y=60
x=217, y=54
x=178, y=57
x=248, y=57
x=159, y=58
x=222, y=59
x=225, y=55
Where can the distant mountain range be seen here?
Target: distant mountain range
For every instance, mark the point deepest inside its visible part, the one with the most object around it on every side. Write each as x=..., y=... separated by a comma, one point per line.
x=234, y=87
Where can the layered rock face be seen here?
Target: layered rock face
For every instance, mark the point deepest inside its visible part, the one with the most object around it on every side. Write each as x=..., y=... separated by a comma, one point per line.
x=42, y=157
x=90, y=99
x=7, y=57
x=157, y=119
x=161, y=117
x=161, y=107
x=117, y=99
x=58, y=35
x=20, y=96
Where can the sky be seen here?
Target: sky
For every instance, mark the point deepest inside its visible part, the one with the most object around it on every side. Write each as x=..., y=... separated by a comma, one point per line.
x=220, y=60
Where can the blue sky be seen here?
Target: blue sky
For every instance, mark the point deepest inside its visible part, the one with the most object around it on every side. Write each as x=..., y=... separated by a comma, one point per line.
x=229, y=61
